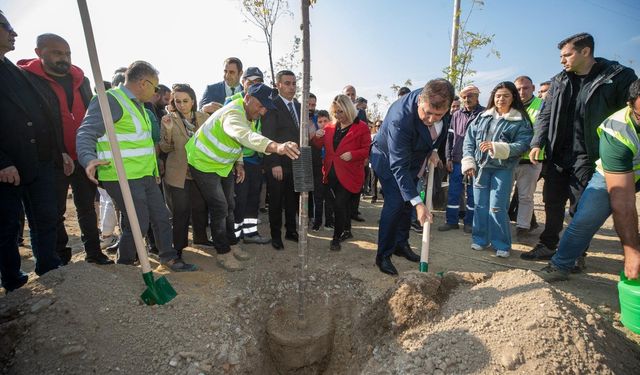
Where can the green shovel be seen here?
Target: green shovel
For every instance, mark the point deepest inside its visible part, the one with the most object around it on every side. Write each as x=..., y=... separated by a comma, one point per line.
x=158, y=291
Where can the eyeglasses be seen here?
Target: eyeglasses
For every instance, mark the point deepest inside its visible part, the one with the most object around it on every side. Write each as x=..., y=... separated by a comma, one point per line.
x=155, y=88
x=7, y=27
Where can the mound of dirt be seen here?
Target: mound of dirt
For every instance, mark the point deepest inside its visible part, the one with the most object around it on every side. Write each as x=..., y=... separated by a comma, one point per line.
x=84, y=319
x=513, y=321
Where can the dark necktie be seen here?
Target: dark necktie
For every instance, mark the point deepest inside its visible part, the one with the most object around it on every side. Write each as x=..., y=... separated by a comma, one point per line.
x=293, y=114
x=233, y=90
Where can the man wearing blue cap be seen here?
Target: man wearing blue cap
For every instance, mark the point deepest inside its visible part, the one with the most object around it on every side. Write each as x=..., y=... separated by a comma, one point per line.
x=216, y=149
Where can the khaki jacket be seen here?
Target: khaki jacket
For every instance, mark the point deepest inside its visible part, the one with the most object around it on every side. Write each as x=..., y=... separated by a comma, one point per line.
x=173, y=142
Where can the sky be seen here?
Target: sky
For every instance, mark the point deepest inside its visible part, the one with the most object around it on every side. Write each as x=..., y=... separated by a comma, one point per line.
x=368, y=44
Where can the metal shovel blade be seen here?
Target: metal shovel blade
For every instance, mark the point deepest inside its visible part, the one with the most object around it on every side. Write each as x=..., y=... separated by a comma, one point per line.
x=158, y=291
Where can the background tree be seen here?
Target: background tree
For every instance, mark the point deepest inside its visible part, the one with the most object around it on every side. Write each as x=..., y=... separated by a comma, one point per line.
x=264, y=14
x=469, y=43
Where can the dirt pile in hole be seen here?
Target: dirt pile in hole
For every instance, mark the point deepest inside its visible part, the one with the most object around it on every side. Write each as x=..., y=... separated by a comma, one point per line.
x=84, y=319
x=513, y=321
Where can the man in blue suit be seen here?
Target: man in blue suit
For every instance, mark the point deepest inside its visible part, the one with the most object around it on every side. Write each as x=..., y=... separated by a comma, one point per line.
x=412, y=128
x=214, y=95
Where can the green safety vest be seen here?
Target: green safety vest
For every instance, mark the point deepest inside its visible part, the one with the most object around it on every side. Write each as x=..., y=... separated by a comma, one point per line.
x=620, y=126
x=256, y=126
x=534, y=110
x=211, y=150
x=133, y=132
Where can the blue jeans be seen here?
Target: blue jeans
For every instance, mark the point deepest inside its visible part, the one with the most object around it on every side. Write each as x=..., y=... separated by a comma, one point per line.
x=39, y=199
x=455, y=192
x=592, y=211
x=491, y=190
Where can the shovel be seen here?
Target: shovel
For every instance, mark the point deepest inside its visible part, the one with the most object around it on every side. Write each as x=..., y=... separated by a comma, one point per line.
x=158, y=291
x=426, y=229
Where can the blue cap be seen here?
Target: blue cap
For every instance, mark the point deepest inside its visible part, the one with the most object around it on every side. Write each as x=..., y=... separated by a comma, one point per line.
x=263, y=93
x=252, y=73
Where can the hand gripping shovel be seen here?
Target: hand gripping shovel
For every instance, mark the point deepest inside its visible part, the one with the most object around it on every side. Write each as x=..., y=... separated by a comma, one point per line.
x=158, y=291
x=426, y=229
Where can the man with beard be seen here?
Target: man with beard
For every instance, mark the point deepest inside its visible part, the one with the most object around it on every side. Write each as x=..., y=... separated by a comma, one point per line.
x=68, y=92
x=29, y=147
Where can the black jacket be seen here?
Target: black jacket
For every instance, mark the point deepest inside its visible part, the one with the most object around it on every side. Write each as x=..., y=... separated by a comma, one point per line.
x=607, y=93
x=278, y=126
x=18, y=133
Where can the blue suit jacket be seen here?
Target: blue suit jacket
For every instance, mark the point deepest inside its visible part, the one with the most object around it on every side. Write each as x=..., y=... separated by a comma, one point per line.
x=402, y=143
x=213, y=93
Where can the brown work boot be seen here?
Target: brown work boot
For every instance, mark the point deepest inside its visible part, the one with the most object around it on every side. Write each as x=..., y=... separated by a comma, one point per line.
x=229, y=262
x=239, y=253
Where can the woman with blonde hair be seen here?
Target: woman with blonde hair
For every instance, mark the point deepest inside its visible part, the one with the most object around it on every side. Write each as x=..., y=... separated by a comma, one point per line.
x=346, y=142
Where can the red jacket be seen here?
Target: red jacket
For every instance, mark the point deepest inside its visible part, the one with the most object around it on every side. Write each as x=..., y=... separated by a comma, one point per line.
x=357, y=141
x=70, y=120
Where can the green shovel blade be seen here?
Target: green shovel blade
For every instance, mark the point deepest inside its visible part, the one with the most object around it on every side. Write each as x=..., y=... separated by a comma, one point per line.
x=424, y=267
x=158, y=291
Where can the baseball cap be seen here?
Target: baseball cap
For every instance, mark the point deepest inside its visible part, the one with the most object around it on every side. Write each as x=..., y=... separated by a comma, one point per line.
x=252, y=73
x=263, y=93
x=471, y=89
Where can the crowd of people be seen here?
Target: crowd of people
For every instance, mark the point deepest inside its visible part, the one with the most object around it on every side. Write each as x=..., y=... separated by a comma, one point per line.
x=203, y=164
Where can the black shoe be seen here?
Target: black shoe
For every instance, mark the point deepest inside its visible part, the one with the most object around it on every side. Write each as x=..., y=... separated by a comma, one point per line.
x=416, y=227
x=335, y=245
x=405, y=251
x=292, y=236
x=468, y=228
x=154, y=250
x=316, y=227
x=540, y=252
x=277, y=244
x=263, y=210
x=345, y=236
x=447, y=226
x=207, y=243
x=257, y=239
x=99, y=259
x=580, y=264
x=387, y=267
x=328, y=226
x=358, y=217
x=178, y=265
x=64, y=255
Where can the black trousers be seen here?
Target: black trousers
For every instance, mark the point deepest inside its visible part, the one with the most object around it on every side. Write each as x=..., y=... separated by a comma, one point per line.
x=561, y=185
x=342, y=203
x=248, y=201
x=179, y=201
x=39, y=200
x=322, y=203
x=84, y=195
x=282, y=197
x=200, y=217
x=217, y=191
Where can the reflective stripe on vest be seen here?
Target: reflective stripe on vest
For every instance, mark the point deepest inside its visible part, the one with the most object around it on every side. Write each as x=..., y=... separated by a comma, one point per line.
x=211, y=150
x=620, y=127
x=534, y=110
x=133, y=133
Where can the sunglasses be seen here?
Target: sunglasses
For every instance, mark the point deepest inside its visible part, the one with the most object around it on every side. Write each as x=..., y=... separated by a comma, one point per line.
x=155, y=88
x=7, y=27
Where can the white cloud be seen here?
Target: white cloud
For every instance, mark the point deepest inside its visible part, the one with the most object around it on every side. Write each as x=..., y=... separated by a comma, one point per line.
x=635, y=40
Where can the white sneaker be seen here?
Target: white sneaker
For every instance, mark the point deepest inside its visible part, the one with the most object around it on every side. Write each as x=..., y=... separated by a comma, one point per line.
x=476, y=247
x=107, y=242
x=502, y=253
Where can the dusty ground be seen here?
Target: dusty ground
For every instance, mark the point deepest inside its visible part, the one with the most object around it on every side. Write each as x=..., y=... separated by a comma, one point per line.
x=88, y=319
